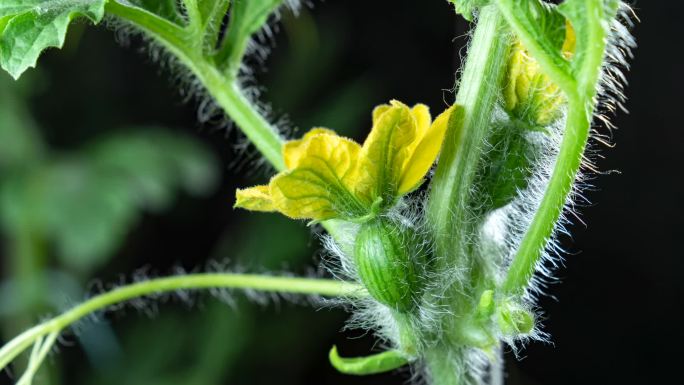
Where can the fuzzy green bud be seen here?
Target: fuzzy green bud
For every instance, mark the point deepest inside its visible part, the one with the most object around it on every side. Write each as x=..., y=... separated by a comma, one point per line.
x=486, y=305
x=514, y=320
x=388, y=263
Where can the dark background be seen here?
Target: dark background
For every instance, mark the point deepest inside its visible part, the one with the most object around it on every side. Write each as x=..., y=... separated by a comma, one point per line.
x=615, y=318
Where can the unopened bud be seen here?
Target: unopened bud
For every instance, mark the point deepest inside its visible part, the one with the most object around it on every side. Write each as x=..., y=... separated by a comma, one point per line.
x=529, y=94
x=514, y=319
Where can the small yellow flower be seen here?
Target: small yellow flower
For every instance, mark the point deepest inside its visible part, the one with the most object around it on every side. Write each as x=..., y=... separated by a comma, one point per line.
x=529, y=94
x=329, y=176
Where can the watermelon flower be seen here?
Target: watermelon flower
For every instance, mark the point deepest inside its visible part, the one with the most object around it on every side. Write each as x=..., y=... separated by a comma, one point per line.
x=329, y=176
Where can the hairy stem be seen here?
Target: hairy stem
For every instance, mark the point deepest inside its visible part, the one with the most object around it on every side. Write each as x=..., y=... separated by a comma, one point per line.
x=450, y=204
x=581, y=93
x=223, y=89
x=560, y=185
x=229, y=97
x=445, y=366
x=324, y=287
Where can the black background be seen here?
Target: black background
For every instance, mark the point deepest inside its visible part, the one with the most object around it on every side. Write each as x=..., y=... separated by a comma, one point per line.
x=615, y=317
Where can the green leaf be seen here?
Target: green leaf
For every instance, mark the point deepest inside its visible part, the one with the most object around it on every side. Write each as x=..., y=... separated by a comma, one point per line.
x=548, y=22
x=27, y=27
x=87, y=213
x=96, y=198
x=373, y=364
x=246, y=18
x=153, y=163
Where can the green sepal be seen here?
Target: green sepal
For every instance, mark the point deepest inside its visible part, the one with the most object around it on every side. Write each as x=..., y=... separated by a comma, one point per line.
x=27, y=27
x=373, y=364
x=475, y=329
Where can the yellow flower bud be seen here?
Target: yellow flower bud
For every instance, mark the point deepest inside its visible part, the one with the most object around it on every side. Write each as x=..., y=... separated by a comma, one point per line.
x=530, y=95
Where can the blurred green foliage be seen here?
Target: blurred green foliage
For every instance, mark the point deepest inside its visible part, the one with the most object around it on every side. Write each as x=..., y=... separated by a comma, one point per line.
x=80, y=205
x=85, y=201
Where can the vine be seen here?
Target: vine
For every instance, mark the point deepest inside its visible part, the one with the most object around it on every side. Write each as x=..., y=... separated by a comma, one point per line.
x=445, y=286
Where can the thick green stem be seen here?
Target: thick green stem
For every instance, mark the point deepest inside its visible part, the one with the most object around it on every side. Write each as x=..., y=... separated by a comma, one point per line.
x=451, y=197
x=305, y=286
x=174, y=37
x=445, y=366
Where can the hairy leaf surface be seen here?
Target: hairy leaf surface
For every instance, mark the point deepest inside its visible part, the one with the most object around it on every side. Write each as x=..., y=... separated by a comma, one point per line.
x=27, y=27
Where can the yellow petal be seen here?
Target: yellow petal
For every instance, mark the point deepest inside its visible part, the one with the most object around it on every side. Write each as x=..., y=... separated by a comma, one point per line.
x=301, y=194
x=529, y=94
x=379, y=111
x=293, y=150
x=322, y=181
x=570, y=43
x=385, y=151
x=515, y=70
x=425, y=153
x=256, y=198
x=421, y=113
